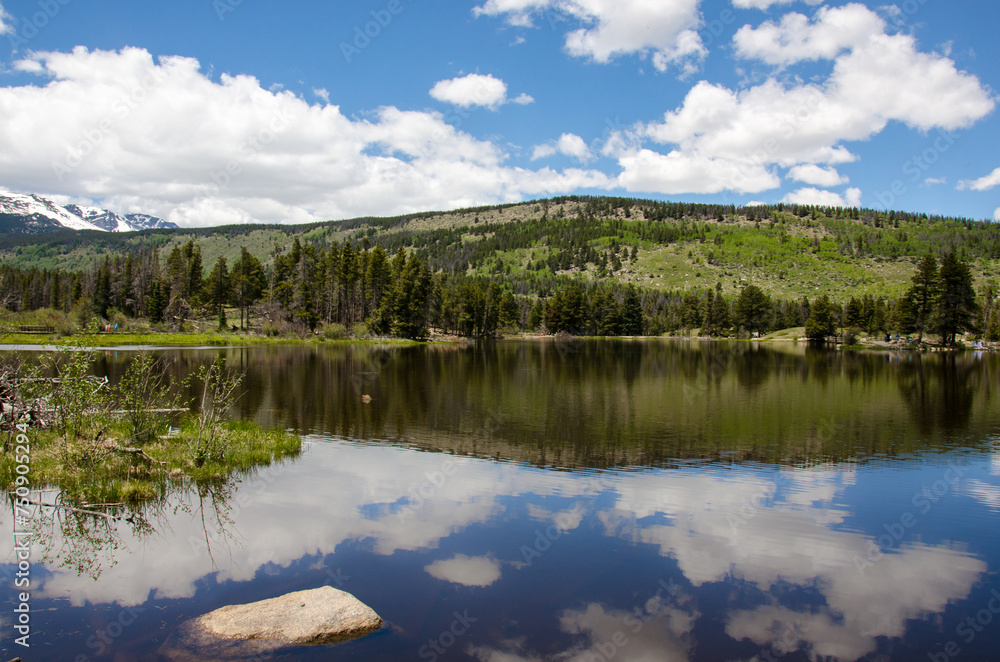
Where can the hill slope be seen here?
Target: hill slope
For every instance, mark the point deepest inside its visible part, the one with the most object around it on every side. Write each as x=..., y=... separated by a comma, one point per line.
x=790, y=251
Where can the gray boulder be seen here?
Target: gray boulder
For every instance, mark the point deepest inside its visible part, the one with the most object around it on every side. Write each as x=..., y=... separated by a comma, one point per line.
x=305, y=618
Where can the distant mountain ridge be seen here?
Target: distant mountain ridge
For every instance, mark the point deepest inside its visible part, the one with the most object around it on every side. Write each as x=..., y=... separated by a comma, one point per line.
x=33, y=214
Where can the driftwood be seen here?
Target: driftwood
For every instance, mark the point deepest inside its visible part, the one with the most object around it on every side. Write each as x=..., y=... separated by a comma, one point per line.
x=60, y=506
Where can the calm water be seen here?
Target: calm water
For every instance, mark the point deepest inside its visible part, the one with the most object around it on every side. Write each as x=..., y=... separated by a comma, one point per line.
x=581, y=501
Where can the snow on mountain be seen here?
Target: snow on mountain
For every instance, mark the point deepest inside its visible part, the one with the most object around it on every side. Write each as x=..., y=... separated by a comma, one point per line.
x=30, y=206
x=147, y=222
x=102, y=218
x=21, y=213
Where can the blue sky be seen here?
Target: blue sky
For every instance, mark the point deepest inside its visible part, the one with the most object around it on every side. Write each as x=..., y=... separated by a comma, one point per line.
x=219, y=111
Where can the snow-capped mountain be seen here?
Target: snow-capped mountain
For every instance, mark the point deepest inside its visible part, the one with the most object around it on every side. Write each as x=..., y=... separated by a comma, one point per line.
x=33, y=214
x=112, y=222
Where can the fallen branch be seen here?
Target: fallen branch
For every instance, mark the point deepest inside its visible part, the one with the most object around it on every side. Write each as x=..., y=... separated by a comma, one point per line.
x=81, y=511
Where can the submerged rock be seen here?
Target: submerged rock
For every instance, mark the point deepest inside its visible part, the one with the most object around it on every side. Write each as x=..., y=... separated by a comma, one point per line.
x=306, y=618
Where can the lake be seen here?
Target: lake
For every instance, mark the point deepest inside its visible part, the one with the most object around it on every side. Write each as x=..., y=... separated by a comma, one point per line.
x=577, y=500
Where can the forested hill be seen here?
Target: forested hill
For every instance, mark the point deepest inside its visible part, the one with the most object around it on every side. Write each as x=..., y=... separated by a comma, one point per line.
x=591, y=266
x=789, y=251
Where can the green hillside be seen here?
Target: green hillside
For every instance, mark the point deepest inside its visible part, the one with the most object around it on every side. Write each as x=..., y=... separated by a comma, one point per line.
x=789, y=251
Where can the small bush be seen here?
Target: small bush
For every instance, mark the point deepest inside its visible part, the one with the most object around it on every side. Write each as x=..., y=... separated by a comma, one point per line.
x=335, y=332
x=852, y=335
x=362, y=331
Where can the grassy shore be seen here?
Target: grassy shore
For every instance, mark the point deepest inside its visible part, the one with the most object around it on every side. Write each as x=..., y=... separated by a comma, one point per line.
x=106, y=471
x=181, y=340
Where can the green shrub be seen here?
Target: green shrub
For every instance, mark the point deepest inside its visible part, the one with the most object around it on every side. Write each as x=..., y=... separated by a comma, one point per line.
x=335, y=331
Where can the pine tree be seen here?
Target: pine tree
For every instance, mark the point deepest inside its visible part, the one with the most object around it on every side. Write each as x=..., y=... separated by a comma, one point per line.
x=412, y=293
x=923, y=294
x=821, y=322
x=753, y=309
x=632, y=318
x=956, y=306
x=248, y=282
x=218, y=288
x=720, y=310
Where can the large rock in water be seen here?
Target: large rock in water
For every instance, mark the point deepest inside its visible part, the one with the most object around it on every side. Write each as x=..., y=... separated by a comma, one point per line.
x=306, y=618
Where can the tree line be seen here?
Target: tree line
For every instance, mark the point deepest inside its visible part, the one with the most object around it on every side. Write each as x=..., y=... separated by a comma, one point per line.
x=363, y=287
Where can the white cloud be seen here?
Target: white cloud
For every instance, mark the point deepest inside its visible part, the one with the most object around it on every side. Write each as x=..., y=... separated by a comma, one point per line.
x=646, y=171
x=517, y=12
x=466, y=570
x=934, y=181
x=664, y=31
x=795, y=39
x=765, y=4
x=569, y=144
x=986, y=183
x=322, y=93
x=5, y=26
x=984, y=493
x=797, y=540
x=795, y=536
x=29, y=66
x=817, y=176
x=472, y=90
x=814, y=196
x=736, y=138
x=129, y=132
x=523, y=99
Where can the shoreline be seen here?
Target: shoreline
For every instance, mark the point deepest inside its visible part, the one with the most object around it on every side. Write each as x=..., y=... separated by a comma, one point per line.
x=146, y=341
x=179, y=340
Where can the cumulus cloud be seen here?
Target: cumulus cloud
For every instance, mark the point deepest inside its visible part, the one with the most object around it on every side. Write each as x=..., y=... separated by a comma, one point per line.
x=466, y=570
x=161, y=136
x=569, y=144
x=766, y=4
x=814, y=196
x=664, y=31
x=476, y=90
x=817, y=176
x=986, y=183
x=737, y=137
x=795, y=39
x=679, y=172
